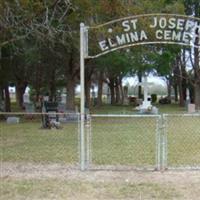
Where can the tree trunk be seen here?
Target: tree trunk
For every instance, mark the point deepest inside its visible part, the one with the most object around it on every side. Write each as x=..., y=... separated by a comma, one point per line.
x=52, y=87
x=169, y=86
x=7, y=99
x=140, y=87
x=100, y=89
x=87, y=93
x=184, y=75
x=197, y=95
x=38, y=82
x=121, y=92
x=1, y=94
x=20, y=90
x=112, y=90
x=197, y=73
x=117, y=91
x=180, y=80
x=70, y=94
x=181, y=97
x=176, y=92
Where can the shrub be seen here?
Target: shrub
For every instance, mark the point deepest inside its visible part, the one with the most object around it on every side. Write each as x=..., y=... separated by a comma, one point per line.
x=154, y=98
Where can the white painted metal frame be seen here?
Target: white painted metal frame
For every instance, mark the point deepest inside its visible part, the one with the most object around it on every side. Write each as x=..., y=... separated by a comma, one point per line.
x=84, y=55
x=82, y=111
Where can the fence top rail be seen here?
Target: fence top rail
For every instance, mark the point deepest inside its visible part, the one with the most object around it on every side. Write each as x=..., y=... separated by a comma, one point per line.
x=105, y=115
x=182, y=115
x=123, y=115
x=38, y=113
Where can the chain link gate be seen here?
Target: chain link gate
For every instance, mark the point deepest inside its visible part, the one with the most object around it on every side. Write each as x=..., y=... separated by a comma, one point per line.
x=123, y=142
x=182, y=141
x=151, y=142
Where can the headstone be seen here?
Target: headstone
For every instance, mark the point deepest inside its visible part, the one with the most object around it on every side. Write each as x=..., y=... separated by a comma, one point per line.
x=69, y=116
x=29, y=108
x=46, y=98
x=61, y=108
x=108, y=96
x=63, y=99
x=2, y=106
x=191, y=108
x=12, y=120
x=51, y=108
x=26, y=98
x=126, y=100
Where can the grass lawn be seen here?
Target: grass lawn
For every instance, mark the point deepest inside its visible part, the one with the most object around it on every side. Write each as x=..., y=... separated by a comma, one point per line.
x=56, y=189
x=124, y=141
x=27, y=142
x=114, y=141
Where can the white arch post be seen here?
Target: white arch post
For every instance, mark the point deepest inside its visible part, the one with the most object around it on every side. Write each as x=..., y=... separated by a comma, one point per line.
x=82, y=94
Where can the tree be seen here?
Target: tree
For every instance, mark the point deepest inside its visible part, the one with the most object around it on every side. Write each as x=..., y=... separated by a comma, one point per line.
x=192, y=7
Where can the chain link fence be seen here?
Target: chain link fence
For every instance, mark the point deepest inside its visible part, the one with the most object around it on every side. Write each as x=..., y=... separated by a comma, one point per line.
x=123, y=142
x=111, y=141
x=182, y=133
x=39, y=138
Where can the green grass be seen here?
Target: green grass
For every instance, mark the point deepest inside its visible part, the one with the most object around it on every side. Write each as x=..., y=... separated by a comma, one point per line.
x=27, y=142
x=124, y=141
x=63, y=189
x=183, y=141
x=114, y=141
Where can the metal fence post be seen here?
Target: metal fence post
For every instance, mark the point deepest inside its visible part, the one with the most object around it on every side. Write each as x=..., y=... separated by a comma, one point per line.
x=82, y=82
x=88, y=141
x=158, y=142
x=164, y=142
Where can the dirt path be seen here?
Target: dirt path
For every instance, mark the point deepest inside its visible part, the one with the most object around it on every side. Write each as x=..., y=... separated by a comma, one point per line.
x=186, y=183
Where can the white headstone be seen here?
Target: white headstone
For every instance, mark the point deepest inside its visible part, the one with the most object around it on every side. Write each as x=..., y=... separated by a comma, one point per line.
x=46, y=98
x=63, y=98
x=12, y=120
x=26, y=98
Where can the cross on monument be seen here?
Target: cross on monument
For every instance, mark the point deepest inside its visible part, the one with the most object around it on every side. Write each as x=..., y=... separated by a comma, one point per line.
x=145, y=104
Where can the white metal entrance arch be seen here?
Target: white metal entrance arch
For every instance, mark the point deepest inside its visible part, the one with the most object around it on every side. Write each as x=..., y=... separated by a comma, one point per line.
x=132, y=31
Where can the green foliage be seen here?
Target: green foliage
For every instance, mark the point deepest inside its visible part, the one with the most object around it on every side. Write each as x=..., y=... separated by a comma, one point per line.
x=41, y=39
x=164, y=59
x=153, y=98
x=116, y=63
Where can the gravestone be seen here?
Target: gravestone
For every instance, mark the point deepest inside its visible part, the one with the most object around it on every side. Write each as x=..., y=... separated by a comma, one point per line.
x=126, y=100
x=108, y=96
x=2, y=106
x=63, y=99
x=12, y=120
x=29, y=109
x=191, y=108
x=50, y=116
x=26, y=98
